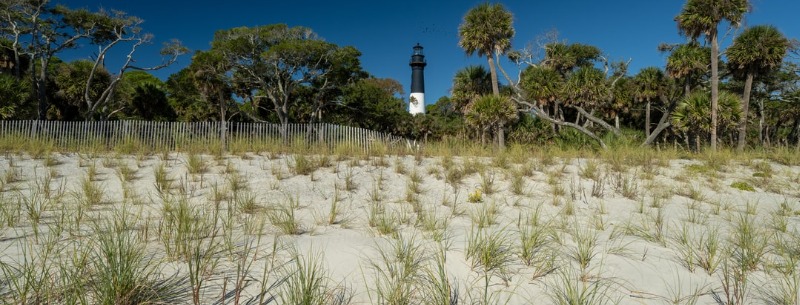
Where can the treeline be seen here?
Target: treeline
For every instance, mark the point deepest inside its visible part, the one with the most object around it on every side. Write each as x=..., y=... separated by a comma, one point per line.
x=272, y=73
x=571, y=93
x=558, y=92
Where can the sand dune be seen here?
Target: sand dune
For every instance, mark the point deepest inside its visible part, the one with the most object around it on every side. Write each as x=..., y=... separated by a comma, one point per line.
x=394, y=228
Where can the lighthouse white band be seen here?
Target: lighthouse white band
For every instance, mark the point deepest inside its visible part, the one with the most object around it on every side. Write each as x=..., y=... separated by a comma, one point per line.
x=416, y=103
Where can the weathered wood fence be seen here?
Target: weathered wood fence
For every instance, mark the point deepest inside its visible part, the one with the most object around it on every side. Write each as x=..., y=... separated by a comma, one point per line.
x=178, y=135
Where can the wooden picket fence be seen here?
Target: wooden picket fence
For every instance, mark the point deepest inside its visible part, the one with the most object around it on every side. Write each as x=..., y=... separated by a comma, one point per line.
x=179, y=135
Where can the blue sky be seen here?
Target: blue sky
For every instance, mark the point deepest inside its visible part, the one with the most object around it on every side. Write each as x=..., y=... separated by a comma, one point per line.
x=385, y=31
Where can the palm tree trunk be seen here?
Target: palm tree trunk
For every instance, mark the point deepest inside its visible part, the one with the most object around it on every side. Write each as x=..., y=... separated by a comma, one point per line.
x=493, y=72
x=697, y=141
x=647, y=119
x=714, y=87
x=501, y=136
x=748, y=85
x=687, y=87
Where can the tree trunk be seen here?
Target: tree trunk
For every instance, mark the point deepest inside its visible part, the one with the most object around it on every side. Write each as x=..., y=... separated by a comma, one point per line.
x=597, y=120
x=714, y=87
x=501, y=137
x=748, y=85
x=761, y=121
x=663, y=123
x=697, y=142
x=767, y=138
x=647, y=119
x=687, y=87
x=583, y=130
x=794, y=135
x=493, y=71
x=222, y=118
x=41, y=88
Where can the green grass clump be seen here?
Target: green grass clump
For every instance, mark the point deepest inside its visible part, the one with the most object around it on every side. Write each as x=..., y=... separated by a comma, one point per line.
x=492, y=254
x=536, y=244
x=125, y=274
x=162, y=182
x=282, y=216
x=306, y=283
x=570, y=289
x=91, y=194
x=743, y=186
x=303, y=165
x=399, y=272
x=195, y=164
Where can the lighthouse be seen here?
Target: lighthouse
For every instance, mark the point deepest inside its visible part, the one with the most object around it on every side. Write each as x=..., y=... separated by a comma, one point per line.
x=417, y=98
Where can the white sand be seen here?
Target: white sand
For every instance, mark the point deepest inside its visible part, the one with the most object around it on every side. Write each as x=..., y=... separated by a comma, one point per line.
x=632, y=268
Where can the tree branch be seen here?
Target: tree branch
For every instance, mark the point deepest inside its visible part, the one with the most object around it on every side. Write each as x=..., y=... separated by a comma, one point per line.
x=594, y=119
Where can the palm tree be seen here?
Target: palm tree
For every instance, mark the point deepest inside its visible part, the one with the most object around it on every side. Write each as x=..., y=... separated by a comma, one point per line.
x=757, y=50
x=688, y=62
x=701, y=17
x=543, y=85
x=492, y=112
x=470, y=83
x=691, y=116
x=487, y=29
x=649, y=84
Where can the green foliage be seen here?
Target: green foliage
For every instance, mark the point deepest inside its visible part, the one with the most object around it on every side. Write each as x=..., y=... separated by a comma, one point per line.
x=650, y=83
x=491, y=112
x=692, y=115
x=757, y=49
x=373, y=103
x=701, y=17
x=586, y=87
x=564, y=57
x=184, y=97
x=144, y=98
x=542, y=84
x=486, y=28
x=16, y=102
x=470, y=83
x=688, y=60
x=70, y=83
x=277, y=61
x=530, y=130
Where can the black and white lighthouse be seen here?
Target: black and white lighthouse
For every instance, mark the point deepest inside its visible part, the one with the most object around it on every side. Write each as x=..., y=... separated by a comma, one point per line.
x=417, y=98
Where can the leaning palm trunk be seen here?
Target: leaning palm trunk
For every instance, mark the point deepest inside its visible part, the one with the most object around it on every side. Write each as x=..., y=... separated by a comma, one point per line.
x=663, y=123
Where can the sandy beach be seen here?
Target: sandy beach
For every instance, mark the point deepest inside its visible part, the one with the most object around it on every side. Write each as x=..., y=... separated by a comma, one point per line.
x=395, y=229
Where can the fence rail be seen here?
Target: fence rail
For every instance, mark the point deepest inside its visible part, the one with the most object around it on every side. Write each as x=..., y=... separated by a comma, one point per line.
x=178, y=135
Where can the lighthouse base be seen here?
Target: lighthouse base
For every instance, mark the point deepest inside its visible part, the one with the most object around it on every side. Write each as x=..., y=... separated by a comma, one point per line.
x=416, y=103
